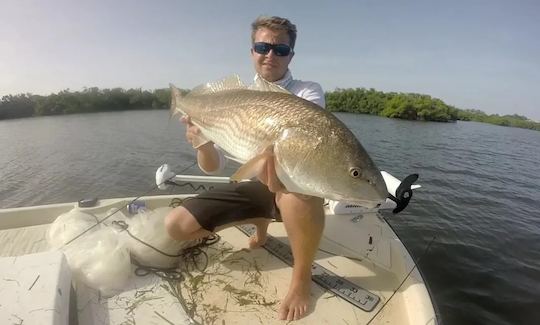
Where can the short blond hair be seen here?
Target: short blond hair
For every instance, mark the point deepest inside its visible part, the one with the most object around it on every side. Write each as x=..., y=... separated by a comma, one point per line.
x=274, y=23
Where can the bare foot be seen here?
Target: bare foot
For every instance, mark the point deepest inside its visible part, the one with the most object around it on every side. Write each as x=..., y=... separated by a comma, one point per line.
x=259, y=238
x=256, y=242
x=295, y=304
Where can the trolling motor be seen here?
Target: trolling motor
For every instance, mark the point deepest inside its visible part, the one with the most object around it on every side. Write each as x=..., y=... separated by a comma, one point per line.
x=401, y=194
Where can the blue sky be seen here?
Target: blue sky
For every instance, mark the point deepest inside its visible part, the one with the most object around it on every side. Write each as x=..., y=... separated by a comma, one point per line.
x=471, y=54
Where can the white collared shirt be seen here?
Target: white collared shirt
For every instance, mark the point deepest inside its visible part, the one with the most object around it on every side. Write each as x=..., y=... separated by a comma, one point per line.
x=307, y=90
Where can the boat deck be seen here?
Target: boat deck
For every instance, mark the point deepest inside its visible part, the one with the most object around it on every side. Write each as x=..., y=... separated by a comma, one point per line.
x=23, y=240
x=238, y=286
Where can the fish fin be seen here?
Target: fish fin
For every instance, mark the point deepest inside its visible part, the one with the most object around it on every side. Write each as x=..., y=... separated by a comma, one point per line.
x=230, y=157
x=231, y=82
x=176, y=98
x=290, y=164
x=262, y=85
x=254, y=166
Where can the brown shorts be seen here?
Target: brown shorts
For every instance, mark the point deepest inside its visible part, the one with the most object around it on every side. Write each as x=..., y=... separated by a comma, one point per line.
x=233, y=202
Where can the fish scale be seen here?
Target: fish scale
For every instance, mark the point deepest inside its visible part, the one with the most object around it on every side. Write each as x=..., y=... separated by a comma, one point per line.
x=227, y=123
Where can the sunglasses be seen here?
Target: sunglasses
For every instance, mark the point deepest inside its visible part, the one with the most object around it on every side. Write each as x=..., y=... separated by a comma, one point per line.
x=279, y=49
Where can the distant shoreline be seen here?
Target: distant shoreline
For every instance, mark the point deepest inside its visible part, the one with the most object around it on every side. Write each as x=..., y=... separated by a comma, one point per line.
x=408, y=106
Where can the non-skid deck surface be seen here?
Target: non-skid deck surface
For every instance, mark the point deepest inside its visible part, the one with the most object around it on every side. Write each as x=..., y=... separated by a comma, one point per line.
x=238, y=286
x=24, y=240
x=242, y=286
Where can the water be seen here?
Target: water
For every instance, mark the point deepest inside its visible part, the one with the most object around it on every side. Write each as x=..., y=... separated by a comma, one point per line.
x=480, y=195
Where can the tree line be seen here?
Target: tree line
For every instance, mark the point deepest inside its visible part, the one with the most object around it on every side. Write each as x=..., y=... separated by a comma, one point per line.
x=358, y=100
x=86, y=101
x=415, y=107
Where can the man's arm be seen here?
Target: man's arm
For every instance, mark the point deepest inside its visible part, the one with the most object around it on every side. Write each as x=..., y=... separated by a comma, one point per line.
x=209, y=159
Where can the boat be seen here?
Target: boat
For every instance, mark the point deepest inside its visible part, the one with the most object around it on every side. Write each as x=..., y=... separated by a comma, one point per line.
x=362, y=273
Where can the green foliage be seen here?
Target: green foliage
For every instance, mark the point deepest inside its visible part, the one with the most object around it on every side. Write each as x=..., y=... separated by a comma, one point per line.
x=162, y=98
x=395, y=105
x=514, y=120
x=414, y=107
x=16, y=106
x=86, y=101
x=357, y=100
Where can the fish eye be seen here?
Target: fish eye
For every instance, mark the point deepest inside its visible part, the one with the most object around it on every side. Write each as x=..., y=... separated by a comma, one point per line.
x=355, y=172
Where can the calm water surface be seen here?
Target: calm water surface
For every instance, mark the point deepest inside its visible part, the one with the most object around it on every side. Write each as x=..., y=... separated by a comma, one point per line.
x=480, y=197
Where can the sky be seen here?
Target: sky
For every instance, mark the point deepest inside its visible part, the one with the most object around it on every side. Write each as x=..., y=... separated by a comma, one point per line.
x=471, y=54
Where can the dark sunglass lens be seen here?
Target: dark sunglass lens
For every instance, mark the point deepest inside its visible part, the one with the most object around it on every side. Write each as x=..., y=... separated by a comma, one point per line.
x=282, y=49
x=261, y=48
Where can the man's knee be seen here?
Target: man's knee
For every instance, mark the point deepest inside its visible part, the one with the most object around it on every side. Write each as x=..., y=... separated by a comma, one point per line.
x=177, y=223
x=300, y=204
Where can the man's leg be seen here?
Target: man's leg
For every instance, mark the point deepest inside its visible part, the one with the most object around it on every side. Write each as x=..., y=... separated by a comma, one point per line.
x=222, y=207
x=182, y=225
x=303, y=218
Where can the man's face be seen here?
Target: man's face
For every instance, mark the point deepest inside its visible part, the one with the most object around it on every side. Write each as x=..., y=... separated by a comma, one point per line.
x=270, y=66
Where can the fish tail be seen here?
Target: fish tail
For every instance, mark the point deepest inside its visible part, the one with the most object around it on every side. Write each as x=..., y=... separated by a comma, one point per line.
x=176, y=99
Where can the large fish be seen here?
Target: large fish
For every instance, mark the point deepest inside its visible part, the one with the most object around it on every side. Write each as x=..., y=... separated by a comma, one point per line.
x=314, y=152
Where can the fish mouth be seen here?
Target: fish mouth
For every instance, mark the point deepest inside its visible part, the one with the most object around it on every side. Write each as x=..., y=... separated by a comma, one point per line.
x=370, y=201
x=367, y=203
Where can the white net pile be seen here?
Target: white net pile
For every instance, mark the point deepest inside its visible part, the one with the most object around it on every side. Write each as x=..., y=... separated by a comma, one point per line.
x=102, y=257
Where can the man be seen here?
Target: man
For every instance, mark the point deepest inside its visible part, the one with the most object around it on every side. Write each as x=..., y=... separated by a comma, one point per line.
x=273, y=40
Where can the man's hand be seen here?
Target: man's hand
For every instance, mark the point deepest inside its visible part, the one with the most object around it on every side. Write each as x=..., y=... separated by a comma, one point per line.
x=269, y=178
x=193, y=133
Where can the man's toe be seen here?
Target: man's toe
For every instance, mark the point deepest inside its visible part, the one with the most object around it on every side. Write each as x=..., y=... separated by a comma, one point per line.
x=283, y=313
x=290, y=316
